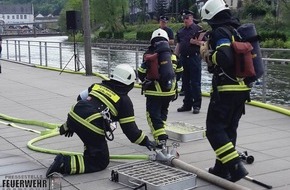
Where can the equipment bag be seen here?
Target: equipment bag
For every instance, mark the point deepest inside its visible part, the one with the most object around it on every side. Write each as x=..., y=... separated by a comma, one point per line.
x=249, y=34
x=152, y=66
x=248, y=56
x=243, y=59
x=159, y=65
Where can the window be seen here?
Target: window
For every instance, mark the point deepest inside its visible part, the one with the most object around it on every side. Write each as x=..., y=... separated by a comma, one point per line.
x=21, y=16
x=17, y=16
x=8, y=17
x=25, y=16
x=13, y=17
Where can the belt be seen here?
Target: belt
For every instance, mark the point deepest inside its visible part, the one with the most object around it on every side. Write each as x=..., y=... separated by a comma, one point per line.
x=188, y=56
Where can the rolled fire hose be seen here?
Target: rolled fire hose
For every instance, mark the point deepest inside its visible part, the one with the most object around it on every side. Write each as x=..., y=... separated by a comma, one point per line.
x=207, y=176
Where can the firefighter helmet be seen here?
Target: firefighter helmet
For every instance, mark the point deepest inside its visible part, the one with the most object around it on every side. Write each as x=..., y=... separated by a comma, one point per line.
x=159, y=33
x=211, y=8
x=123, y=73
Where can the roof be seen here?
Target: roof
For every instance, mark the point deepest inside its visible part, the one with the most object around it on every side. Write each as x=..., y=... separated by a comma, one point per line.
x=16, y=9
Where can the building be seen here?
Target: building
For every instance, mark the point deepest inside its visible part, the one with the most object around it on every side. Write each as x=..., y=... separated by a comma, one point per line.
x=16, y=14
x=233, y=4
x=42, y=22
x=149, y=6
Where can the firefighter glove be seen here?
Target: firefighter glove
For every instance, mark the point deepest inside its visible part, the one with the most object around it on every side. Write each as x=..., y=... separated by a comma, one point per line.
x=64, y=130
x=149, y=144
x=205, y=53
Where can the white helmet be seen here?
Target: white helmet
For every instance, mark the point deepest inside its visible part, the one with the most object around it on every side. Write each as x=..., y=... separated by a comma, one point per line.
x=123, y=73
x=211, y=8
x=159, y=33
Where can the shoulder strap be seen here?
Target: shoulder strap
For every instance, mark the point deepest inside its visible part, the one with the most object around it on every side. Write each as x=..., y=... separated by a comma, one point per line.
x=231, y=32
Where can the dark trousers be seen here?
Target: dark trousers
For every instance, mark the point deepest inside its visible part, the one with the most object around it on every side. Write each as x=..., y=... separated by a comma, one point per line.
x=96, y=152
x=157, y=111
x=191, y=80
x=223, y=118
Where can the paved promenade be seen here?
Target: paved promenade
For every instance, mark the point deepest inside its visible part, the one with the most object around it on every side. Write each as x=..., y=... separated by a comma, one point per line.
x=30, y=93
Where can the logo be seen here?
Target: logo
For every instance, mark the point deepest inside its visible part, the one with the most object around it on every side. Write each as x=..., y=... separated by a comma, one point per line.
x=31, y=182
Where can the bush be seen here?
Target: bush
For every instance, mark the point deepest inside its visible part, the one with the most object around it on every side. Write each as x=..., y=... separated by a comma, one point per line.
x=273, y=35
x=143, y=35
x=119, y=35
x=105, y=34
x=273, y=44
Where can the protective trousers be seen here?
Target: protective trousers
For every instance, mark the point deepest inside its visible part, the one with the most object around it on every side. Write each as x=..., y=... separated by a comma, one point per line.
x=157, y=111
x=96, y=154
x=191, y=80
x=222, y=122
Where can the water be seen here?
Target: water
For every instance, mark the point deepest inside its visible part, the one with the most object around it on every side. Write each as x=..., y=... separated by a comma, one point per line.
x=278, y=82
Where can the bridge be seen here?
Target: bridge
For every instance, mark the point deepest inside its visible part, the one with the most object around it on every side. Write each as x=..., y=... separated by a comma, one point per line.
x=28, y=29
x=23, y=35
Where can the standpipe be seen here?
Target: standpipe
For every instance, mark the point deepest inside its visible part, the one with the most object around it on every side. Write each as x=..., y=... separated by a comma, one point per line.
x=207, y=176
x=170, y=157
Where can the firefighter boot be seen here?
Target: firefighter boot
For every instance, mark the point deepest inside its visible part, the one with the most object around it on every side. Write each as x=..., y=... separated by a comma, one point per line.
x=237, y=171
x=220, y=170
x=56, y=166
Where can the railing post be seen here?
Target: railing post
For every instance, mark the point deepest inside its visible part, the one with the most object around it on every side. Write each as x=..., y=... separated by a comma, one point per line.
x=264, y=81
x=137, y=60
x=137, y=57
x=7, y=47
x=15, y=47
x=19, y=51
x=40, y=54
x=109, y=61
x=45, y=53
x=60, y=55
x=29, y=52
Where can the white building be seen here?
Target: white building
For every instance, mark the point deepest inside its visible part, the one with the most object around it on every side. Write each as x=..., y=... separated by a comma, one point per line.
x=17, y=14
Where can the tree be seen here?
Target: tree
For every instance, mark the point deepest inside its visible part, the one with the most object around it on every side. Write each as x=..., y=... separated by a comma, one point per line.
x=161, y=8
x=110, y=13
x=176, y=6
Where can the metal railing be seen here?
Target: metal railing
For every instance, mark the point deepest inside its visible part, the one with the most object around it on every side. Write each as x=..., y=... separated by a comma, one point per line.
x=104, y=56
x=59, y=54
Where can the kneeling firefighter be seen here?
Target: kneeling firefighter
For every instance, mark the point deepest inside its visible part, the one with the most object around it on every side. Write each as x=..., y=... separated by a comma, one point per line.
x=91, y=119
x=159, y=74
x=227, y=102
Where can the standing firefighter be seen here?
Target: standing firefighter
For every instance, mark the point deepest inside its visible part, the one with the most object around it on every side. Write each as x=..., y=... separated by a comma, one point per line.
x=91, y=117
x=158, y=77
x=227, y=103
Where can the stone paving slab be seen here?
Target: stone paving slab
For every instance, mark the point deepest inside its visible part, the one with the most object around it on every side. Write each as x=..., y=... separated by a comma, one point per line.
x=43, y=95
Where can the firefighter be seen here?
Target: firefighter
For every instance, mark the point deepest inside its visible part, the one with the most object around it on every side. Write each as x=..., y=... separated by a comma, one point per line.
x=229, y=93
x=159, y=74
x=91, y=119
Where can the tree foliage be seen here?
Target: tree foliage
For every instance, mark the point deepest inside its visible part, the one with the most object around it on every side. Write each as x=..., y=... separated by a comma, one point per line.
x=161, y=8
x=110, y=13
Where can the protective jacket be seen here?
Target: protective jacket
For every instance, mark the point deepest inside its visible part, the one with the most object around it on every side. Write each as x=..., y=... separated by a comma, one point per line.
x=112, y=95
x=222, y=58
x=86, y=119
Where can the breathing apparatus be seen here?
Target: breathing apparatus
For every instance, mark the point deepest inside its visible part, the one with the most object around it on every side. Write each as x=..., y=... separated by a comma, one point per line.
x=109, y=125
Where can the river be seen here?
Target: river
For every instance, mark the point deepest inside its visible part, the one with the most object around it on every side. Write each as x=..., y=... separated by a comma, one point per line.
x=277, y=78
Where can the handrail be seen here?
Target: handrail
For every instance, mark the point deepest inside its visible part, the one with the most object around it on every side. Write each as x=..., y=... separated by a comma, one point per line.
x=57, y=54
